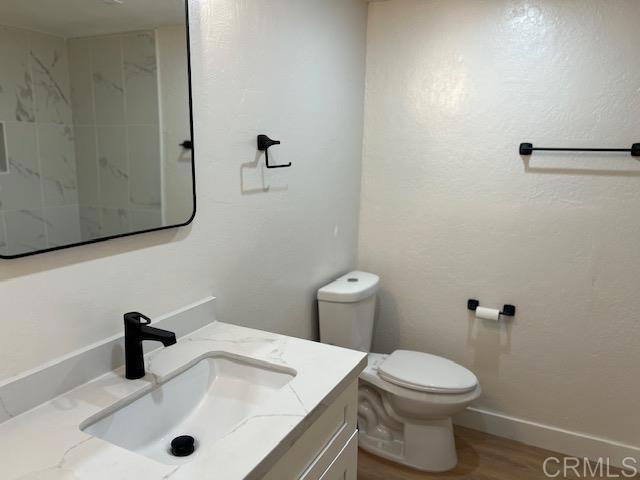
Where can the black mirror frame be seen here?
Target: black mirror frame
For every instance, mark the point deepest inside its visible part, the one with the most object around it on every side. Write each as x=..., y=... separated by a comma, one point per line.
x=193, y=172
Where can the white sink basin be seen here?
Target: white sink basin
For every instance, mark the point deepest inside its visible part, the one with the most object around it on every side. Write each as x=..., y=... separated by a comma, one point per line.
x=206, y=401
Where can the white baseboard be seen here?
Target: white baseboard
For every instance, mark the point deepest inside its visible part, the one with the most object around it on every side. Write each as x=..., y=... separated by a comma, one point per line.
x=575, y=444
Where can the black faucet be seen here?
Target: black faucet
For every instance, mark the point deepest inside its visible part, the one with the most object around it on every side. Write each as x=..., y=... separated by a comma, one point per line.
x=137, y=329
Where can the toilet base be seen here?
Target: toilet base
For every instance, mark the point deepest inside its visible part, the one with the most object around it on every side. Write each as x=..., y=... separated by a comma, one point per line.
x=426, y=445
x=409, y=427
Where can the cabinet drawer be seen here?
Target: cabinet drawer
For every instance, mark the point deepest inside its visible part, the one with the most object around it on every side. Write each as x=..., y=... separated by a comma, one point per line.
x=311, y=455
x=345, y=466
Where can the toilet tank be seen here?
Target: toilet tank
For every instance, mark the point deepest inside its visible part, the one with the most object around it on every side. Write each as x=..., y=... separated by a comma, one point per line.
x=347, y=308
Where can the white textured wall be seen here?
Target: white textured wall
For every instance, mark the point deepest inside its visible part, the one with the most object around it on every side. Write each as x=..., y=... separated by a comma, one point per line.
x=294, y=70
x=450, y=211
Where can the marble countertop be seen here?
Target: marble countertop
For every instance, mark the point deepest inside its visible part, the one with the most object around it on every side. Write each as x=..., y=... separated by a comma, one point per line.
x=46, y=443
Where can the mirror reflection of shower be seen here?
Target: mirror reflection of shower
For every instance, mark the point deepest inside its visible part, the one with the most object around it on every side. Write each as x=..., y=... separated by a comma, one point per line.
x=94, y=107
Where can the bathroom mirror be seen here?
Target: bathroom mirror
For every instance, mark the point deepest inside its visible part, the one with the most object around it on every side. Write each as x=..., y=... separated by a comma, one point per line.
x=95, y=121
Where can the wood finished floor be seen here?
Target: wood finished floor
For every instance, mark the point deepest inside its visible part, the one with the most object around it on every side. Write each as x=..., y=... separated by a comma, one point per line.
x=481, y=457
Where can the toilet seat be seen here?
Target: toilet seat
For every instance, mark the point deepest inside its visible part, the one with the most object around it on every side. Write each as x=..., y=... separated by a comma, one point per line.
x=424, y=372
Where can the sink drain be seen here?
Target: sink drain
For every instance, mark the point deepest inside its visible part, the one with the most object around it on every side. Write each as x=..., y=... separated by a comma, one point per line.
x=183, y=446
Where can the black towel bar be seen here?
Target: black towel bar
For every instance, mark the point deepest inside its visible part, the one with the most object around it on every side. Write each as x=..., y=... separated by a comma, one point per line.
x=528, y=149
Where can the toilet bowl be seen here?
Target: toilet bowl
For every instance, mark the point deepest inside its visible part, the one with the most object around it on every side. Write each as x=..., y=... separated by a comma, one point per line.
x=405, y=399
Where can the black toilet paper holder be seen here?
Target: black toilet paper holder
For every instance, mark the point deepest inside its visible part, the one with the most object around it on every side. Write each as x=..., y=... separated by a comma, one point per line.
x=264, y=143
x=507, y=310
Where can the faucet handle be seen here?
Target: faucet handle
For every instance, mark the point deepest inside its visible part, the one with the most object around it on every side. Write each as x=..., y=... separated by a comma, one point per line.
x=136, y=318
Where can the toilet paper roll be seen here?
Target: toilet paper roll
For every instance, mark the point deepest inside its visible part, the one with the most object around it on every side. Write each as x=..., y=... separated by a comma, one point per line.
x=488, y=314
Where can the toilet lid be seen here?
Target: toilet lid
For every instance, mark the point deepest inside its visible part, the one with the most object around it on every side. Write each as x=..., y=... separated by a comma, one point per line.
x=426, y=373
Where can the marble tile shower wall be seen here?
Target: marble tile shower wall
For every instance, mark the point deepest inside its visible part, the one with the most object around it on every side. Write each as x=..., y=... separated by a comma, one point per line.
x=114, y=93
x=38, y=186
x=81, y=130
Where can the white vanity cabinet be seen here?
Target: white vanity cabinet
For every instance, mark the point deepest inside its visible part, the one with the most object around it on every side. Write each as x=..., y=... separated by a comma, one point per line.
x=328, y=450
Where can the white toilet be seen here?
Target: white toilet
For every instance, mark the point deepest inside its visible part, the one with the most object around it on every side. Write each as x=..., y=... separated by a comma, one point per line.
x=406, y=399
